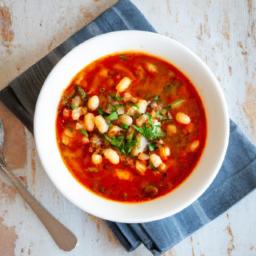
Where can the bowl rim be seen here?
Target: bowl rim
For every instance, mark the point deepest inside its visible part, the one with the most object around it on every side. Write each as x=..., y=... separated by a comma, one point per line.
x=193, y=197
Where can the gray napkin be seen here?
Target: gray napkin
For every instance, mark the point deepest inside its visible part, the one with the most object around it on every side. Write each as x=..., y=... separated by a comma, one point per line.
x=236, y=178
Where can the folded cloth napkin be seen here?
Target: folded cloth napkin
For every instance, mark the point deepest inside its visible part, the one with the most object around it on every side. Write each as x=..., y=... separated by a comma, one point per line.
x=236, y=178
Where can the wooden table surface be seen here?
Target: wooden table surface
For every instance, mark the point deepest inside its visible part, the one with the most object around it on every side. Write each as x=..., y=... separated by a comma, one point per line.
x=222, y=33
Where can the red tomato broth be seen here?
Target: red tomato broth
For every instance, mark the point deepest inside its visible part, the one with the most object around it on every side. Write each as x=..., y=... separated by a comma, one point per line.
x=146, y=85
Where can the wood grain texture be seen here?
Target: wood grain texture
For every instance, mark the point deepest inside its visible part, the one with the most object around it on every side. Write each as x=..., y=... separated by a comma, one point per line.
x=222, y=33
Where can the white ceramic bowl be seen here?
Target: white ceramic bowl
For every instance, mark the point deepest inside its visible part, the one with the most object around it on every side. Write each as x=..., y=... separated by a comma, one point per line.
x=186, y=61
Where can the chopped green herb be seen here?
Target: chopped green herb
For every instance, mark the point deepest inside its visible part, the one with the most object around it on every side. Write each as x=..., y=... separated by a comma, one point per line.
x=135, y=106
x=116, y=97
x=152, y=166
x=125, y=126
x=156, y=98
x=176, y=104
x=151, y=147
x=73, y=106
x=150, y=131
x=81, y=91
x=84, y=132
x=124, y=146
x=112, y=117
x=101, y=112
x=138, y=129
x=123, y=57
x=161, y=116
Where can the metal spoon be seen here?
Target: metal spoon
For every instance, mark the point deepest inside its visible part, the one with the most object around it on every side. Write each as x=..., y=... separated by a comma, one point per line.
x=63, y=237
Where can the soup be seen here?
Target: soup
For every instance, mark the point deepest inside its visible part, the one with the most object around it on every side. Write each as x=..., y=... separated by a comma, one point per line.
x=130, y=127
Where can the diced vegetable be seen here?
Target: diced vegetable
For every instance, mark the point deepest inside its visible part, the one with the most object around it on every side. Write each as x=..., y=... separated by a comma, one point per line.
x=123, y=174
x=171, y=129
x=165, y=152
x=140, y=167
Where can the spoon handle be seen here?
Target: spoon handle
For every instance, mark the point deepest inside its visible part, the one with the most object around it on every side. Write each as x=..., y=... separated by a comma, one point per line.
x=63, y=237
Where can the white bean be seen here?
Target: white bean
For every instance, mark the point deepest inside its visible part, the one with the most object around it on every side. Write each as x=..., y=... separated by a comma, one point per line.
x=111, y=155
x=76, y=113
x=155, y=160
x=183, y=118
x=93, y=102
x=89, y=122
x=96, y=158
x=140, y=167
x=123, y=84
x=125, y=119
x=76, y=101
x=101, y=124
x=142, y=106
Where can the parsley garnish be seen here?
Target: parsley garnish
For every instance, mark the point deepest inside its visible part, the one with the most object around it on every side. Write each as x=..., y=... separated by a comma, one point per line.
x=84, y=132
x=151, y=147
x=176, y=104
x=124, y=145
x=81, y=91
x=156, y=98
x=125, y=126
x=100, y=111
x=150, y=131
x=116, y=97
x=112, y=117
